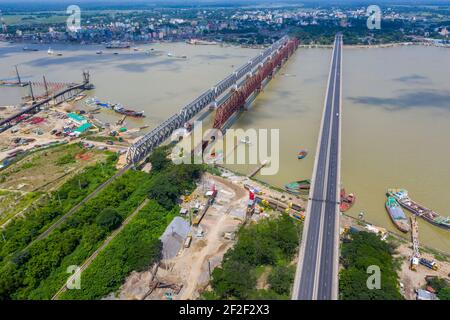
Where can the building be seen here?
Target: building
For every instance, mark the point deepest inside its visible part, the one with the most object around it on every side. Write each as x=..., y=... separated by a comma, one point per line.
x=79, y=120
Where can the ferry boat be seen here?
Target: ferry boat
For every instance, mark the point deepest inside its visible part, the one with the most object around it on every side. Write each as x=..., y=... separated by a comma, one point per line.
x=347, y=201
x=297, y=187
x=397, y=215
x=401, y=195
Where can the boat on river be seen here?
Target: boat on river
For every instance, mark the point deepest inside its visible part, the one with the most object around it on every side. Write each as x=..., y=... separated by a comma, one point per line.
x=347, y=201
x=401, y=195
x=397, y=215
x=302, y=154
x=298, y=187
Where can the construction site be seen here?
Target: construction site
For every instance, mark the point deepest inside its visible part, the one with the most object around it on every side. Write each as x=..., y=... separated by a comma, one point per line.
x=195, y=242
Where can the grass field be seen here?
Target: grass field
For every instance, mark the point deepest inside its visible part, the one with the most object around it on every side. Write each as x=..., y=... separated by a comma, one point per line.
x=45, y=170
x=13, y=203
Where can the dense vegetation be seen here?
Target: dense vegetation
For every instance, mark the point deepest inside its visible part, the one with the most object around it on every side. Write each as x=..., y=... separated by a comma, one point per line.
x=364, y=250
x=135, y=248
x=39, y=271
x=358, y=33
x=271, y=242
x=442, y=288
x=21, y=231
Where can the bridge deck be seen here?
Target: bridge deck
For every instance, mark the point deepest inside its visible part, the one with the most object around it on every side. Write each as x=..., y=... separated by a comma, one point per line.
x=317, y=276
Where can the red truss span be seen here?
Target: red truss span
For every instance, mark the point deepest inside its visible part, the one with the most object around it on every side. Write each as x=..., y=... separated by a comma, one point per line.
x=253, y=83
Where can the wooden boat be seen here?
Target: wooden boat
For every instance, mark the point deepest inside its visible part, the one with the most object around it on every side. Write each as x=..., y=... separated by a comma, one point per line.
x=297, y=187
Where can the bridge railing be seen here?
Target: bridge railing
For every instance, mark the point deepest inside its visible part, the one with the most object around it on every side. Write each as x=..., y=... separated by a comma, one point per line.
x=140, y=149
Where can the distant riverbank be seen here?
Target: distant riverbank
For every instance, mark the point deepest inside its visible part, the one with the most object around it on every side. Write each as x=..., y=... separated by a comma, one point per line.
x=382, y=45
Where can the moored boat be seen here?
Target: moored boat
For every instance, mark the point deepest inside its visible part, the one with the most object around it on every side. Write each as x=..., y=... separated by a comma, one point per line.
x=347, y=201
x=397, y=215
x=297, y=187
x=128, y=112
x=401, y=195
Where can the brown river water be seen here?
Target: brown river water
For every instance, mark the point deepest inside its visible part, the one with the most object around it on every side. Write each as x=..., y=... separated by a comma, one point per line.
x=396, y=109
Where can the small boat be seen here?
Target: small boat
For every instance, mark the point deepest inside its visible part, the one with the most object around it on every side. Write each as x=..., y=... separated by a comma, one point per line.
x=50, y=52
x=347, y=201
x=29, y=49
x=401, y=195
x=302, y=154
x=99, y=52
x=297, y=187
x=397, y=215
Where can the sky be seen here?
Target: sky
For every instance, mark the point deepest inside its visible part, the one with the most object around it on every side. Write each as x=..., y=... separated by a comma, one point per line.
x=61, y=4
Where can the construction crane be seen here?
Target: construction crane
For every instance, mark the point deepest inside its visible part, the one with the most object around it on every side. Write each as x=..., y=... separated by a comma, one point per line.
x=415, y=241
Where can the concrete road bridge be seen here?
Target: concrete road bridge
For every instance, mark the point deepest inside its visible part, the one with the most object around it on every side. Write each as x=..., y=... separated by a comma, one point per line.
x=317, y=271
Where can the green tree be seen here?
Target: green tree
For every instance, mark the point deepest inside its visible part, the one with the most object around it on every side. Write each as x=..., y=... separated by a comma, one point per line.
x=158, y=159
x=233, y=280
x=109, y=219
x=281, y=279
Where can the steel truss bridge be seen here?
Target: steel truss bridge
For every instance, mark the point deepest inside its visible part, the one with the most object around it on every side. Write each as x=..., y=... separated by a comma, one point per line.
x=245, y=81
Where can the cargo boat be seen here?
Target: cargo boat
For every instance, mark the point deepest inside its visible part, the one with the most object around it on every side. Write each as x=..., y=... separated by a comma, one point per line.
x=127, y=112
x=298, y=186
x=347, y=201
x=117, y=45
x=397, y=215
x=401, y=195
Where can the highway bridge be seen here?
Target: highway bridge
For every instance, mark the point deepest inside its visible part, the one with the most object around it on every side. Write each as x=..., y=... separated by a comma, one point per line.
x=317, y=271
x=227, y=97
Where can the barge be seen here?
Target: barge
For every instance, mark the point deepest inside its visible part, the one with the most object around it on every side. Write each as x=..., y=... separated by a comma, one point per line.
x=401, y=195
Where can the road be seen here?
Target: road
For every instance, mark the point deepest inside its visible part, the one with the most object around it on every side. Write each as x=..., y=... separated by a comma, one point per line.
x=78, y=206
x=317, y=271
x=88, y=261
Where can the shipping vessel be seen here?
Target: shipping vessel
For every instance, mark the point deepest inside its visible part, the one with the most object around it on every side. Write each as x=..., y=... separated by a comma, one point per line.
x=347, y=201
x=401, y=195
x=397, y=215
x=297, y=187
x=130, y=113
x=29, y=49
x=117, y=45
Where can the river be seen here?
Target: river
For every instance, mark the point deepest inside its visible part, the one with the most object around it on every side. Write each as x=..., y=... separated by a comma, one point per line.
x=396, y=109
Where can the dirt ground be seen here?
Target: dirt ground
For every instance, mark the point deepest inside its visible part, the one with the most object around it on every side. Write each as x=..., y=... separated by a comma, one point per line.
x=41, y=171
x=190, y=268
x=413, y=280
